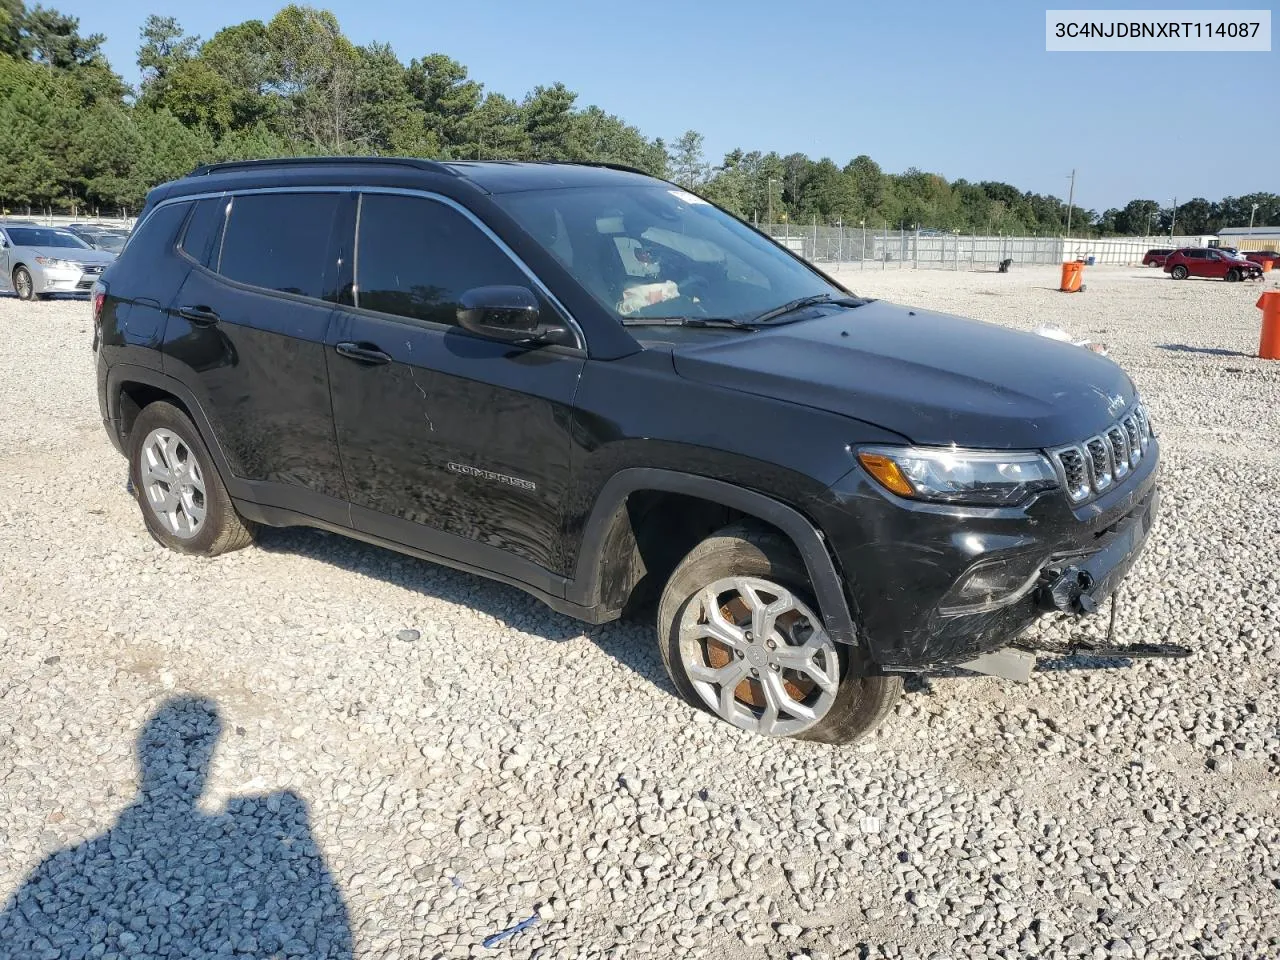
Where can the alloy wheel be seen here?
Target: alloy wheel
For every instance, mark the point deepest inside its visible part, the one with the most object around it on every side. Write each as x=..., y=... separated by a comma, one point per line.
x=758, y=656
x=173, y=483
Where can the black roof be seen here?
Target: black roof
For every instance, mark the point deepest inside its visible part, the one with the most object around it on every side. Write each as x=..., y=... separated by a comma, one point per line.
x=509, y=176
x=489, y=176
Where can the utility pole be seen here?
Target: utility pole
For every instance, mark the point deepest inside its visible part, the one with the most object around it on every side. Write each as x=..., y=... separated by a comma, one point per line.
x=1071, y=195
x=1252, y=214
x=1173, y=219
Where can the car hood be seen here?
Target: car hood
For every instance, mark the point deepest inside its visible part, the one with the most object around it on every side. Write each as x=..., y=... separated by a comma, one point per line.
x=931, y=377
x=70, y=253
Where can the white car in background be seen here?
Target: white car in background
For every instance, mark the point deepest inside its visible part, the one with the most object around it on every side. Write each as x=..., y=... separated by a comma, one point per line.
x=37, y=261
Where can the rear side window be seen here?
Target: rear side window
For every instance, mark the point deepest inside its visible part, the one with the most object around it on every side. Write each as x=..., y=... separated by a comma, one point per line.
x=203, y=238
x=416, y=257
x=157, y=234
x=280, y=241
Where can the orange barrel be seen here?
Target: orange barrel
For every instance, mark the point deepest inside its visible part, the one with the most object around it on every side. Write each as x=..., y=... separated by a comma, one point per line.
x=1267, y=264
x=1269, y=345
x=1072, y=276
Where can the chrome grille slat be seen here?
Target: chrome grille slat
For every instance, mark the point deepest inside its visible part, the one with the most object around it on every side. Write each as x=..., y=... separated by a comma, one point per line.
x=1132, y=435
x=1119, y=450
x=1100, y=462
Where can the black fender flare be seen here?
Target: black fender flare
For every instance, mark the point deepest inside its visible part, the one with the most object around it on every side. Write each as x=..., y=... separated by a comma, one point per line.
x=808, y=540
x=121, y=373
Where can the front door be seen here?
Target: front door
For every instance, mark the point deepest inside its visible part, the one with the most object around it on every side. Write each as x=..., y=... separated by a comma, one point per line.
x=452, y=444
x=247, y=330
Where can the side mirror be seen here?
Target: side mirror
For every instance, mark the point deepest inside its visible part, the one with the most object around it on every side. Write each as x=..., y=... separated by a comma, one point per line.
x=504, y=313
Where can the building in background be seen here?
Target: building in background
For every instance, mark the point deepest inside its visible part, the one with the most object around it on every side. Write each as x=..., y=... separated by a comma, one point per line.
x=1245, y=238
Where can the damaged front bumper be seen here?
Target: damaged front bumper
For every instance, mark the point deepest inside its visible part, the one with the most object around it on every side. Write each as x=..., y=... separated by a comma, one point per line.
x=906, y=561
x=1079, y=586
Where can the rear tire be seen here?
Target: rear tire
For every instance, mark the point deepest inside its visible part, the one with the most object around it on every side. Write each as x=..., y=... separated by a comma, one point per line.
x=176, y=483
x=1179, y=272
x=23, y=285
x=757, y=581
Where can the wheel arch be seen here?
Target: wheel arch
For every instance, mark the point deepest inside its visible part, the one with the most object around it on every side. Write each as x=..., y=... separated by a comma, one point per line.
x=131, y=388
x=611, y=559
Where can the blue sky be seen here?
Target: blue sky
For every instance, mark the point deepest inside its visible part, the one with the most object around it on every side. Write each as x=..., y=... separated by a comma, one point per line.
x=964, y=90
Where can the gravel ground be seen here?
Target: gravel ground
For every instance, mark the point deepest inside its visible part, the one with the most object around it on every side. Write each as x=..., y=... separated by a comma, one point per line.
x=406, y=760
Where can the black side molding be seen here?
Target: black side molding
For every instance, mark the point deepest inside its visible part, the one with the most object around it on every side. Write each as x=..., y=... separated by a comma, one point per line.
x=585, y=589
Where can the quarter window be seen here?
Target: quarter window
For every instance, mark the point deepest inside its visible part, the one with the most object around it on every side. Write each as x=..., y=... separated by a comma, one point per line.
x=416, y=257
x=280, y=241
x=203, y=239
x=155, y=236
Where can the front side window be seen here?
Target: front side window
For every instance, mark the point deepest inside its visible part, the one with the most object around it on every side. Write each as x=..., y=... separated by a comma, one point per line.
x=657, y=251
x=416, y=257
x=280, y=241
x=45, y=237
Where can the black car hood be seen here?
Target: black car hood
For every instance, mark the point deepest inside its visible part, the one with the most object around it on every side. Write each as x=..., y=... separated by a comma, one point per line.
x=931, y=377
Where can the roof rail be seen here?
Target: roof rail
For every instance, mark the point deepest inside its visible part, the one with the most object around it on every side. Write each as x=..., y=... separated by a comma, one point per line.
x=606, y=164
x=416, y=162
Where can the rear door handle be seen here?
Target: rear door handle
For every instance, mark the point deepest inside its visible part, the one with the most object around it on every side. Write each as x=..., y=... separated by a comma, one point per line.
x=200, y=316
x=362, y=353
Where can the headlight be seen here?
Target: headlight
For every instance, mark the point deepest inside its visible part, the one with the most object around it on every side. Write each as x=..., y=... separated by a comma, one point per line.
x=56, y=264
x=987, y=478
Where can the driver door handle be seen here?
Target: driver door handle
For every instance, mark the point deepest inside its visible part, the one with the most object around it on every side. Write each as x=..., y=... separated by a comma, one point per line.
x=362, y=353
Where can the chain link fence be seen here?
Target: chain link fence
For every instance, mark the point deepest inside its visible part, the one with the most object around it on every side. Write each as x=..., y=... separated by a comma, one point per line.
x=935, y=249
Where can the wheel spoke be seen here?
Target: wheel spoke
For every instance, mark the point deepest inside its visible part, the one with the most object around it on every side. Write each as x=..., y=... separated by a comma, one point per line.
x=728, y=703
x=764, y=615
x=157, y=470
x=802, y=659
x=715, y=626
x=193, y=509
x=776, y=695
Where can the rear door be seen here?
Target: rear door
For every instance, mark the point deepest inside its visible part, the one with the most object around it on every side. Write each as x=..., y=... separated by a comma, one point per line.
x=451, y=443
x=246, y=333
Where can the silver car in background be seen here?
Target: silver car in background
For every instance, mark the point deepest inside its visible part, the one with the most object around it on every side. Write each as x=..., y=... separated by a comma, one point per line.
x=37, y=261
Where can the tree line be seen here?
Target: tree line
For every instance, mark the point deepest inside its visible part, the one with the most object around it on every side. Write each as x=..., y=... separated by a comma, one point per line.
x=75, y=137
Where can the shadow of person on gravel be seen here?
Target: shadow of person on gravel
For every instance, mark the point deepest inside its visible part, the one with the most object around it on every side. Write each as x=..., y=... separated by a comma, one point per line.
x=169, y=880
x=1212, y=351
x=630, y=641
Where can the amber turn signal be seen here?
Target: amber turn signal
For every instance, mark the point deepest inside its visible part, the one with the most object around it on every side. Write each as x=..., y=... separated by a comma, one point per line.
x=887, y=472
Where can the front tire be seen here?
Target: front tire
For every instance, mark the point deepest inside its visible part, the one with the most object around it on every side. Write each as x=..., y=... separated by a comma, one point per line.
x=23, y=285
x=1233, y=275
x=184, y=503
x=1179, y=272
x=741, y=636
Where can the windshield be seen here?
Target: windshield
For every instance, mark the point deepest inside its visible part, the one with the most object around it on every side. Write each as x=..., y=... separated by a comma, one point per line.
x=109, y=241
x=650, y=252
x=44, y=237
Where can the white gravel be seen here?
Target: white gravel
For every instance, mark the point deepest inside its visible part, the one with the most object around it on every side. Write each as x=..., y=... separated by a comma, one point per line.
x=411, y=759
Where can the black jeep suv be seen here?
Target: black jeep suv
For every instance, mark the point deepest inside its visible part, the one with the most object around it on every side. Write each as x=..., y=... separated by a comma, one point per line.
x=603, y=389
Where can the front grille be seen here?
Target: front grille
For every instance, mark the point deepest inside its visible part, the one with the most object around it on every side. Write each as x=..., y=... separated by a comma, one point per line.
x=1094, y=465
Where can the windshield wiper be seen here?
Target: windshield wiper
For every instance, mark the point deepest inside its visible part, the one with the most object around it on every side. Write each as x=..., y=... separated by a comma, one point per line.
x=801, y=302
x=685, y=322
